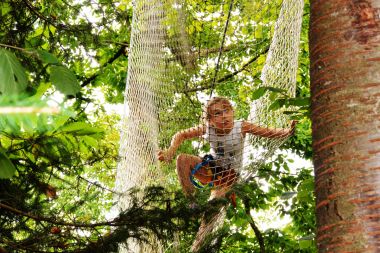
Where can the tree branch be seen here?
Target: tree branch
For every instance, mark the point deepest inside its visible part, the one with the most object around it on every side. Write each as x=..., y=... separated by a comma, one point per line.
x=120, y=52
x=40, y=16
x=62, y=223
x=228, y=76
x=50, y=20
x=258, y=234
x=14, y=47
x=33, y=9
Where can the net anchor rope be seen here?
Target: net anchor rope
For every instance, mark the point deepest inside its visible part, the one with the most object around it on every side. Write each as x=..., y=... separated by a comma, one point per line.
x=221, y=47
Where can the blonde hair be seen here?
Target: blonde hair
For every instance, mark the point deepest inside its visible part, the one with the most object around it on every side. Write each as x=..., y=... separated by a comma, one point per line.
x=215, y=100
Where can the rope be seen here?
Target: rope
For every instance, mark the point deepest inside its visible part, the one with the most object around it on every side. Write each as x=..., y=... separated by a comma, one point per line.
x=221, y=47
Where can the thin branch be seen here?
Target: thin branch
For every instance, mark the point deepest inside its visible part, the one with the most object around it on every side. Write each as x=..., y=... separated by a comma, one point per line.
x=255, y=229
x=97, y=185
x=206, y=52
x=228, y=76
x=120, y=52
x=33, y=9
x=107, y=42
x=62, y=223
x=49, y=20
x=200, y=54
x=9, y=46
x=39, y=15
x=221, y=46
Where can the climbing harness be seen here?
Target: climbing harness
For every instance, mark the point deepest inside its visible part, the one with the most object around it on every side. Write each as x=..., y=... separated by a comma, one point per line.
x=217, y=171
x=207, y=160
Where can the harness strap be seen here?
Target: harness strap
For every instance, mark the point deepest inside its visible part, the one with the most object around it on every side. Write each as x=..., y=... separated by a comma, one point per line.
x=206, y=160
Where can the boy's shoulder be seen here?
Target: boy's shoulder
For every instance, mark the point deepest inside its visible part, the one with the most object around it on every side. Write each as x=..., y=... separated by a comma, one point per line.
x=239, y=122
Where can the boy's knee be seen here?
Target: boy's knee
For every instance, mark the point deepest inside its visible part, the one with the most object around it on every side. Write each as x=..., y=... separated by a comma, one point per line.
x=181, y=158
x=185, y=162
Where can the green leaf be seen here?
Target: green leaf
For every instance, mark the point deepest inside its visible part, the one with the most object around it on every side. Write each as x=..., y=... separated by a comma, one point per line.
x=305, y=244
x=7, y=169
x=261, y=91
x=259, y=32
x=274, y=89
x=305, y=189
x=52, y=29
x=10, y=124
x=38, y=31
x=47, y=57
x=261, y=59
x=64, y=80
x=307, y=185
x=305, y=101
x=90, y=141
x=46, y=33
x=275, y=105
x=5, y=8
x=13, y=79
x=42, y=88
x=258, y=93
x=45, y=45
x=60, y=120
x=29, y=123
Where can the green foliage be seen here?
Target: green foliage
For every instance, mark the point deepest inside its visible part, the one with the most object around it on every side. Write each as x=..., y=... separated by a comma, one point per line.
x=12, y=75
x=300, y=143
x=7, y=167
x=47, y=57
x=289, y=194
x=258, y=93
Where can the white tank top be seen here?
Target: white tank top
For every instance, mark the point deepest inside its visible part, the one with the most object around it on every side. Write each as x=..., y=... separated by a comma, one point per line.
x=227, y=149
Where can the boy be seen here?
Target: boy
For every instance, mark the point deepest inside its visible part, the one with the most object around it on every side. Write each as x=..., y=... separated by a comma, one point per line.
x=226, y=138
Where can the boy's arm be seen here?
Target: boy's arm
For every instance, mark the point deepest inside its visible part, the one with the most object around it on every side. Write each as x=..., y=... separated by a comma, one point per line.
x=251, y=128
x=177, y=140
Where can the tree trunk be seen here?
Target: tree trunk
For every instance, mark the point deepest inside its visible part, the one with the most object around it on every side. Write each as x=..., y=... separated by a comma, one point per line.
x=345, y=91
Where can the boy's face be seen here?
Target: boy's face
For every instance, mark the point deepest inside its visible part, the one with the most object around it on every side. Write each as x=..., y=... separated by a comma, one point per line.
x=221, y=116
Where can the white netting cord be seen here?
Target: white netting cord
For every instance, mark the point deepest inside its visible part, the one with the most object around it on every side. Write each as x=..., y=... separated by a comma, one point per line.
x=208, y=228
x=279, y=72
x=139, y=130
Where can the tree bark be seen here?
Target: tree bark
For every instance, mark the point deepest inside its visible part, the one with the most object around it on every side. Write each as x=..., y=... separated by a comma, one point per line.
x=345, y=91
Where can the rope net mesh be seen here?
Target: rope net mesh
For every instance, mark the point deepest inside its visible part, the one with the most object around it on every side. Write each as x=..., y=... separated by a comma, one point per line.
x=181, y=53
x=279, y=72
x=139, y=129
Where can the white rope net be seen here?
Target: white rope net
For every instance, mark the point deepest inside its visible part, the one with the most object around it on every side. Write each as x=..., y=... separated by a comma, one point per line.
x=139, y=129
x=182, y=51
x=279, y=72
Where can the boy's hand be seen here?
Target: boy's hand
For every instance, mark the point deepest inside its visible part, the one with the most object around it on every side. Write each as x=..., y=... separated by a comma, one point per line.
x=163, y=155
x=293, y=127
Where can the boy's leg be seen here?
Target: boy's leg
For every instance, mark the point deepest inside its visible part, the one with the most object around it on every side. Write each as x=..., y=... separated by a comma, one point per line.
x=185, y=163
x=223, y=185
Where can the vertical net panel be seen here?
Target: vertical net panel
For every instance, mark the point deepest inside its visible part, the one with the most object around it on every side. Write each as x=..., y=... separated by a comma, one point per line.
x=143, y=98
x=278, y=80
x=158, y=58
x=139, y=128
